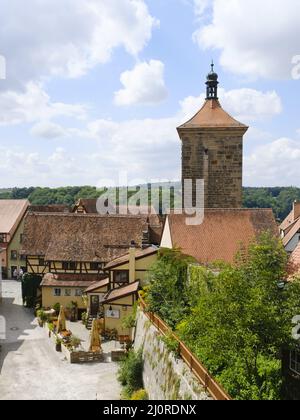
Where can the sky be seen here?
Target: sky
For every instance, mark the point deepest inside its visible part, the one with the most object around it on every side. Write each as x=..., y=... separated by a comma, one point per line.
x=91, y=91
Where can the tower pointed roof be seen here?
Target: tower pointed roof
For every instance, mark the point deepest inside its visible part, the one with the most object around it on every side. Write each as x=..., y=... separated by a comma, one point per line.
x=212, y=115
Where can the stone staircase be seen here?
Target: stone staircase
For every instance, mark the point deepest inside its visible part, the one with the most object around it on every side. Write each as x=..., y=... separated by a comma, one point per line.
x=91, y=319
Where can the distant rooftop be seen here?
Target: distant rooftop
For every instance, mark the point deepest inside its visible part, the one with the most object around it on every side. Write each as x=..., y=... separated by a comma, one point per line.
x=11, y=213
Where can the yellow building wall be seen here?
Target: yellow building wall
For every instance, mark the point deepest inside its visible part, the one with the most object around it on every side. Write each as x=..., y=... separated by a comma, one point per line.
x=112, y=323
x=33, y=266
x=142, y=266
x=56, y=267
x=100, y=291
x=15, y=245
x=49, y=300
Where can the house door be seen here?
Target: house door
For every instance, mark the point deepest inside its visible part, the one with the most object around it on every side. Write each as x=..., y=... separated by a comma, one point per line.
x=94, y=304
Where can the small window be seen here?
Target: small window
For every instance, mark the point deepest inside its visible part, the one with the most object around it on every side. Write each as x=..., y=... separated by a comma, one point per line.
x=21, y=238
x=78, y=292
x=69, y=266
x=121, y=276
x=94, y=266
x=68, y=292
x=57, y=292
x=41, y=261
x=295, y=362
x=73, y=265
x=14, y=255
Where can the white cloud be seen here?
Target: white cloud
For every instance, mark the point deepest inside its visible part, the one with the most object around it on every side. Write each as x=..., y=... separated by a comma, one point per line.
x=34, y=104
x=200, y=6
x=48, y=130
x=146, y=148
x=274, y=164
x=68, y=37
x=143, y=85
x=256, y=39
x=244, y=104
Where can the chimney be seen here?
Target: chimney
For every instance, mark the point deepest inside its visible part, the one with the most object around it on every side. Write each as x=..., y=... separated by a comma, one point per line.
x=132, y=251
x=296, y=209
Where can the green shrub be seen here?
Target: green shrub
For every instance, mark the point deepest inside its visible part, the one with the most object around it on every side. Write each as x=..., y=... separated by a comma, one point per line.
x=51, y=326
x=56, y=307
x=130, y=373
x=84, y=318
x=171, y=344
x=140, y=395
x=42, y=316
x=75, y=342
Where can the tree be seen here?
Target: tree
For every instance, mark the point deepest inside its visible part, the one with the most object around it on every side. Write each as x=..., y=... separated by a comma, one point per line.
x=241, y=320
x=168, y=280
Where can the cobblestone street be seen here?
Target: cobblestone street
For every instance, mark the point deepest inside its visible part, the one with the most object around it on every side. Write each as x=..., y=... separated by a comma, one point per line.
x=31, y=369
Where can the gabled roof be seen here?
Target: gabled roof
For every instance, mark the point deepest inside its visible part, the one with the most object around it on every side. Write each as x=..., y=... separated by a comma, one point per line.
x=295, y=256
x=11, y=213
x=291, y=233
x=121, y=292
x=51, y=208
x=85, y=238
x=67, y=280
x=148, y=213
x=142, y=253
x=212, y=115
x=222, y=233
x=97, y=285
x=288, y=221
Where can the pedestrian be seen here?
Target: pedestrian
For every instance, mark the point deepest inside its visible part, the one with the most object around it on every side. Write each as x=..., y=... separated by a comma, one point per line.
x=21, y=273
x=15, y=274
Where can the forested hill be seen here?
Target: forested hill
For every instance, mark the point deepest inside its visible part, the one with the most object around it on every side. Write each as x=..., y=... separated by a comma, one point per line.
x=280, y=199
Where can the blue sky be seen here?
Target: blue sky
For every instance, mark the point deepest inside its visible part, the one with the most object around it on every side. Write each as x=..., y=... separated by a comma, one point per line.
x=95, y=87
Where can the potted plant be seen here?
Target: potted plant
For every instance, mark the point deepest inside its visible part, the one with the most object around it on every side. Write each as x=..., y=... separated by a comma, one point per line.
x=58, y=344
x=42, y=317
x=56, y=307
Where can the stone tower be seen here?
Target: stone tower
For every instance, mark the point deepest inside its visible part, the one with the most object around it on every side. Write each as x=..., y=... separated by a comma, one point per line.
x=212, y=150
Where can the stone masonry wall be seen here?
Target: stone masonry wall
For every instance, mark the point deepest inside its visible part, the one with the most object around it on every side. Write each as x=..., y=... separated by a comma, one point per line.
x=165, y=378
x=217, y=157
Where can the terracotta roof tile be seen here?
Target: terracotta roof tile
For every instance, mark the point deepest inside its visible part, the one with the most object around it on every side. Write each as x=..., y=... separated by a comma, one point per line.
x=292, y=232
x=155, y=220
x=11, y=213
x=138, y=255
x=73, y=280
x=51, y=208
x=86, y=238
x=97, y=285
x=222, y=233
x=212, y=115
x=122, y=292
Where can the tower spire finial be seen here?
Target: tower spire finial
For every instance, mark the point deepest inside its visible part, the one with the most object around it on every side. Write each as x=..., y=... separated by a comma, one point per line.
x=212, y=83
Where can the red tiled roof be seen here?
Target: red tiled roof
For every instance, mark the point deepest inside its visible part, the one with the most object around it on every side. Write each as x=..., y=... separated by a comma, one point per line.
x=11, y=213
x=97, y=285
x=121, y=292
x=291, y=233
x=295, y=262
x=222, y=234
x=76, y=237
x=212, y=115
x=69, y=280
x=138, y=255
x=288, y=221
